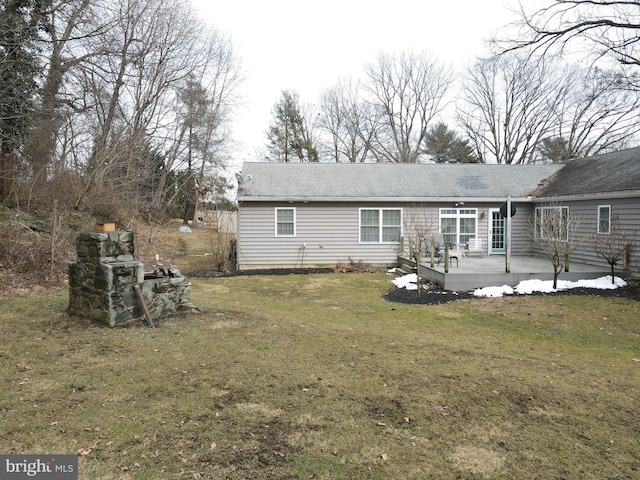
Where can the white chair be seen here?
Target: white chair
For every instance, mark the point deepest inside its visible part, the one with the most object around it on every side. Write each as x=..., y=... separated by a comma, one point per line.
x=475, y=247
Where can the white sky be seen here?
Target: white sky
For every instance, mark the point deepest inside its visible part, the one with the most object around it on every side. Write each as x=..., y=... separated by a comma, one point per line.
x=308, y=46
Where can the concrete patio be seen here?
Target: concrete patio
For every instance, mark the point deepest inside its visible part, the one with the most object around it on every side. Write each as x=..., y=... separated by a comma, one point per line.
x=474, y=272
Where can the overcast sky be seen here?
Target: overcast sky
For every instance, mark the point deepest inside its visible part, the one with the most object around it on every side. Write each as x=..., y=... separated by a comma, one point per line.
x=307, y=46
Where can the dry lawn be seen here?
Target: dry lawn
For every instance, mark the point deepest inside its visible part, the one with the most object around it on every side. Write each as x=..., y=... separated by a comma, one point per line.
x=314, y=376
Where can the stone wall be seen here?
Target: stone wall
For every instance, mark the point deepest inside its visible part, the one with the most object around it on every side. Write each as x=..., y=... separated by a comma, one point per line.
x=102, y=280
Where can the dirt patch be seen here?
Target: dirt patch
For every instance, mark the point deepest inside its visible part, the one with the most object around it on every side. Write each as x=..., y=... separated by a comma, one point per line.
x=385, y=410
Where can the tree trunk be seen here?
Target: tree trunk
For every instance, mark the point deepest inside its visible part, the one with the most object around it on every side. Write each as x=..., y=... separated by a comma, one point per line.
x=6, y=172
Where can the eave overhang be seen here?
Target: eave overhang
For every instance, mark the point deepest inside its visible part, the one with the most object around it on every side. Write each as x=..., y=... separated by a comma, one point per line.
x=250, y=198
x=588, y=196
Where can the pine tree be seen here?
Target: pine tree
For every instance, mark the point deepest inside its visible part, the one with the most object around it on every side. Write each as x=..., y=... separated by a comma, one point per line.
x=289, y=138
x=444, y=146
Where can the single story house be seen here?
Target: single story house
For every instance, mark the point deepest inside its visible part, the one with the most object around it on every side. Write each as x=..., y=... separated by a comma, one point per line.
x=323, y=214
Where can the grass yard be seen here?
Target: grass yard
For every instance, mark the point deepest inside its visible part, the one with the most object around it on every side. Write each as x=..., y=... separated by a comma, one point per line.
x=314, y=376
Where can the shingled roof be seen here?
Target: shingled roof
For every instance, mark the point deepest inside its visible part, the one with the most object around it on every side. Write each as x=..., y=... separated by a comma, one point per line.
x=391, y=182
x=616, y=172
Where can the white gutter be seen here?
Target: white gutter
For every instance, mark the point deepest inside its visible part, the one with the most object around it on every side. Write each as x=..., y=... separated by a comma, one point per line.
x=588, y=196
x=384, y=199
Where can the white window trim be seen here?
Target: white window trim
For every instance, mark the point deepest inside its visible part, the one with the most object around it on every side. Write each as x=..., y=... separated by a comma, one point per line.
x=457, y=215
x=537, y=217
x=294, y=222
x=608, y=232
x=380, y=226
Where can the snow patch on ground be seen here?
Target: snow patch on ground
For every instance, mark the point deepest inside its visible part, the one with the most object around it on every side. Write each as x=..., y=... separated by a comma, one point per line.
x=409, y=281
x=525, y=287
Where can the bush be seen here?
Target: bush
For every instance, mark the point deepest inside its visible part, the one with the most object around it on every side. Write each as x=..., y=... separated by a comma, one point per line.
x=30, y=254
x=353, y=267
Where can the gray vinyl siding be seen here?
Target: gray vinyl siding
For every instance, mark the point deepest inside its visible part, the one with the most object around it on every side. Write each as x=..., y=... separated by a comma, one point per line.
x=328, y=231
x=328, y=199
x=521, y=231
x=586, y=211
x=520, y=238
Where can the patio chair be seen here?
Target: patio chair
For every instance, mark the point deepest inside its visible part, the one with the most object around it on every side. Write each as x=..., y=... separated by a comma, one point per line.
x=439, y=256
x=454, y=253
x=475, y=247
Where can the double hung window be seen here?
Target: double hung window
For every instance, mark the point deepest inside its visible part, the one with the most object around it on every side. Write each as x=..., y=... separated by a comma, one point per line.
x=458, y=225
x=552, y=223
x=604, y=219
x=285, y=222
x=380, y=225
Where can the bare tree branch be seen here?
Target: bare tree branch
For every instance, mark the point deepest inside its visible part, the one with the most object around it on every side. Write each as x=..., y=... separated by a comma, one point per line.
x=507, y=106
x=408, y=91
x=609, y=29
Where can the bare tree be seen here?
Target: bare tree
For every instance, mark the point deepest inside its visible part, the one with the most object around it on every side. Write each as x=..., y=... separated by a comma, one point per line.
x=71, y=26
x=595, y=113
x=553, y=229
x=309, y=134
x=407, y=91
x=342, y=119
x=147, y=55
x=608, y=28
x=419, y=230
x=205, y=103
x=614, y=245
x=333, y=119
x=507, y=107
x=106, y=119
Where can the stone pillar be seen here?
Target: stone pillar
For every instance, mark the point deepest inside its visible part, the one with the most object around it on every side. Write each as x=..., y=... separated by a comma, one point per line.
x=101, y=280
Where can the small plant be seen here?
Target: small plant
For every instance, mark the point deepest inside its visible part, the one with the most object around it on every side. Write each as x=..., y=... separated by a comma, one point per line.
x=353, y=266
x=615, y=246
x=223, y=247
x=419, y=233
x=553, y=230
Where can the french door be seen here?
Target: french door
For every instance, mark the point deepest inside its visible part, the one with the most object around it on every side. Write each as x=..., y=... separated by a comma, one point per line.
x=498, y=232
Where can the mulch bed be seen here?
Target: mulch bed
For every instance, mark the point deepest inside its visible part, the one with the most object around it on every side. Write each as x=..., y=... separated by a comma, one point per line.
x=208, y=273
x=436, y=296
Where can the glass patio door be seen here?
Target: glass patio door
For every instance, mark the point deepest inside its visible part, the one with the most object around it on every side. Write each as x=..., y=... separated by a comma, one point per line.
x=498, y=233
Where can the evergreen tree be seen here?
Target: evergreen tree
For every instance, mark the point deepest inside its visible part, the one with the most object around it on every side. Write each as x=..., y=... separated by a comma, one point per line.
x=289, y=137
x=19, y=70
x=445, y=146
x=555, y=149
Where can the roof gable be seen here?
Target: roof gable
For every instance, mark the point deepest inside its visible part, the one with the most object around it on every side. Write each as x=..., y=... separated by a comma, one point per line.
x=598, y=174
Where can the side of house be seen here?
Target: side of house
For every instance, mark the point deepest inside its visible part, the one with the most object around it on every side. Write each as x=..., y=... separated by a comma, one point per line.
x=602, y=194
x=324, y=234
x=310, y=234
x=320, y=215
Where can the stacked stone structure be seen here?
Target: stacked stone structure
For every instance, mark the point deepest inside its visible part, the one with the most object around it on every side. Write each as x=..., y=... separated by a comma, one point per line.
x=102, y=280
